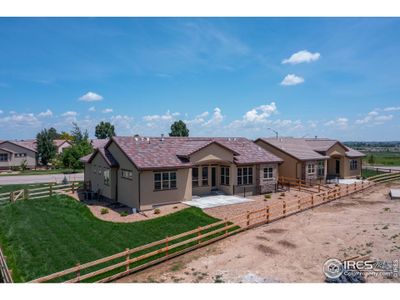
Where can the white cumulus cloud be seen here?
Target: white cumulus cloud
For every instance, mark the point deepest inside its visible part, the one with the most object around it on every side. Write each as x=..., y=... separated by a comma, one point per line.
x=393, y=108
x=47, y=113
x=216, y=118
x=107, y=110
x=292, y=79
x=69, y=114
x=91, y=97
x=302, y=56
x=339, y=123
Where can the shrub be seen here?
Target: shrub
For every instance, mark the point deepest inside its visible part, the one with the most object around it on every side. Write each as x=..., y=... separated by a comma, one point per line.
x=157, y=211
x=124, y=213
x=267, y=196
x=175, y=207
x=282, y=194
x=104, y=211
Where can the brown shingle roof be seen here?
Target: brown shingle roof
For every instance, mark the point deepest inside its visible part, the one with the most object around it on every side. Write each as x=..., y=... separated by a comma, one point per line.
x=323, y=145
x=27, y=144
x=58, y=143
x=295, y=147
x=99, y=143
x=154, y=153
x=354, y=153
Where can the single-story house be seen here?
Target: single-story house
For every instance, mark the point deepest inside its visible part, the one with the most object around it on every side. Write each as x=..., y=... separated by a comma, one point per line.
x=145, y=172
x=62, y=145
x=15, y=153
x=313, y=160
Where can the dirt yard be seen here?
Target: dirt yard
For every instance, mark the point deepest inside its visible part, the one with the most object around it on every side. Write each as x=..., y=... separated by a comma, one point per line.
x=294, y=249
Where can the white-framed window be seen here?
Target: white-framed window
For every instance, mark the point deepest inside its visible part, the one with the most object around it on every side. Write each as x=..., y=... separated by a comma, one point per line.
x=106, y=175
x=321, y=168
x=165, y=180
x=224, y=175
x=353, y=164
x=127, y=174
x=310, y=168
x=268, y=173
x=3, y=157
x=245, y=176
x=195, y=177
x=204, y=176
x=20, y=154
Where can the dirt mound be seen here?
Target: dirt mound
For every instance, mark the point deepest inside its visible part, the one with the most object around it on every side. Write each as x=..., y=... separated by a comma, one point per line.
x=287, y=244
x=266, y=249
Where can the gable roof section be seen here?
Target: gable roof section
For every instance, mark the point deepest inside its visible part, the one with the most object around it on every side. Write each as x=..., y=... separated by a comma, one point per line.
x=294, y=147
x=58, y=143
x=27, y=144
x=352, y=153
x=5, y=150
x=172, y=152
x=323, y=145
x=99, y=143
x=110, y=160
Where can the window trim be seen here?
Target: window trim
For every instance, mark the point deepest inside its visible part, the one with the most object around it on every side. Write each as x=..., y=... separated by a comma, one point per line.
x=321, y=166
x=4, y=155
x=312, y=165
x=195, y=180
x=128, y=177
x=107, y=182
x=244, y=175
x=352, y=163
x=161, y=181
x=225, y=175
x=204, y=178
x=268, y=171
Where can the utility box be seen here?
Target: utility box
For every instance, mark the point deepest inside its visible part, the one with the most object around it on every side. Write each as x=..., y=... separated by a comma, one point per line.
x=395, y=194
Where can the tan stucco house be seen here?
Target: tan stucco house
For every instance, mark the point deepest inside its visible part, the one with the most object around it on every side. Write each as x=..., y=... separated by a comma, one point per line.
x=313, y=160
x=61, y=145
x=145, y=172
x=14, y=153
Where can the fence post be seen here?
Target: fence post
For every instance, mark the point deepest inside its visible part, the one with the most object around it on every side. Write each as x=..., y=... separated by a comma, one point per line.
x=11, y=197
x=319, y=186
x=78, y=272
x=267, y=213
x=347, y=189
x=312, y=200
x=298, y=204
x=298, y=183
x=226, y=226
x=26, y=194
x=166, y=246
x=199, y=235
x=355, y=186
x=73, y=186
x=248, y=219
x=127, y=259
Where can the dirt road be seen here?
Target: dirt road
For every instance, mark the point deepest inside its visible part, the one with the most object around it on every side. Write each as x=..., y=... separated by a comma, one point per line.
x=294, y=249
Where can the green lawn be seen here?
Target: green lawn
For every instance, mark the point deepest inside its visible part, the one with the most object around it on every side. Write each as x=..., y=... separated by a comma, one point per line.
x=369, y=173
x=43, y=172
x=384, y=158
x=41, y=237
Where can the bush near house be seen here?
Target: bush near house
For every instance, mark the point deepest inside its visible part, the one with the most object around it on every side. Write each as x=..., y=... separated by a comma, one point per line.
x=40, y=237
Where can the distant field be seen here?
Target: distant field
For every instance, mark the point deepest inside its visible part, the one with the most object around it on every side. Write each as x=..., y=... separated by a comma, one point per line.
x=383, y=158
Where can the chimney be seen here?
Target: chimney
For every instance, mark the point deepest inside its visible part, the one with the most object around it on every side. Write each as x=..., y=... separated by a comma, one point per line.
x=316, y=137
x=162, y=137
x=148, y=140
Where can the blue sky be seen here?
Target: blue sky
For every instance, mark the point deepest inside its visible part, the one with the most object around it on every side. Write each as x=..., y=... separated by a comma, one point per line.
x=331, y=77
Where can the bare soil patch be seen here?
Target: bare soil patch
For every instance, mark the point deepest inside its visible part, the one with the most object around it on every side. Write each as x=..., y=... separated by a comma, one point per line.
x=294, y=249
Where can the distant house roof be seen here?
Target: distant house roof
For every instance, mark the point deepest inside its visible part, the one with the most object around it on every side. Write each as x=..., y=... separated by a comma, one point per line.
x=308, y=149
x=295, y=147
x=27, y=144
x=323, y=145
x=173, y=152
x=58, y=143
x=110, y=160
x=99, y=143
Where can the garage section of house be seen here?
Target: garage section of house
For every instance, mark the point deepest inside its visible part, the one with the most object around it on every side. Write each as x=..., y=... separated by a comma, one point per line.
x=147, y=172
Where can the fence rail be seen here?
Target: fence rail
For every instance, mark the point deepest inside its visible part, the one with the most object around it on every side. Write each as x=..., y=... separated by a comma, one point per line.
x=37, y=193
x=5, y=273
x=132, y=260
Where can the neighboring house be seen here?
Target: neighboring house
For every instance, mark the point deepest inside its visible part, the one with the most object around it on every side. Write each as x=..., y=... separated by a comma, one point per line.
x=145, y=172
x=314, y=159
x=15, y=153
x=98, y=143
x=62, y=145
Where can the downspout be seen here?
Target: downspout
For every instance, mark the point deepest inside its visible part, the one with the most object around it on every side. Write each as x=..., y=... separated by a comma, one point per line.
x=139, y=190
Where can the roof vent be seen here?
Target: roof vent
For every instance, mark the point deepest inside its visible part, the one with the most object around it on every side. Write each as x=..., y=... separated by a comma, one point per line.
x=162, y=137
x=136, y=138
x=148, y=140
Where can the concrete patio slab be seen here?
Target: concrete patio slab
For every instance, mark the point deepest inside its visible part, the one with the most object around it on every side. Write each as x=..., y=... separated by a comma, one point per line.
x=349, y=181
x=215, y=201
x=395, y=193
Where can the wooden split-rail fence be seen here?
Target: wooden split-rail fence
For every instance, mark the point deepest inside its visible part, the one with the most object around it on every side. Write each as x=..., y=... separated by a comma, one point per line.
x=40, y=192
x=131, y=260
x=5, y=273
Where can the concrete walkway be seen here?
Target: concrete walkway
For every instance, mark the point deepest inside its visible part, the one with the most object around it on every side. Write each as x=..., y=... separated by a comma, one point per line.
x=215, y=201
x=24, y=179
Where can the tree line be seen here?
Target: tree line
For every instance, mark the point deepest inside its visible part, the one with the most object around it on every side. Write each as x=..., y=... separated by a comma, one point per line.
x=80, y=143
